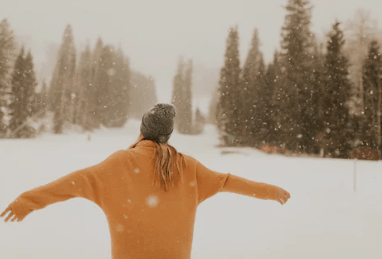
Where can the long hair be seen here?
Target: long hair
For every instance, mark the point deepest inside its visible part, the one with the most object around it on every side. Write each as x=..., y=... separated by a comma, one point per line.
x=166, y=154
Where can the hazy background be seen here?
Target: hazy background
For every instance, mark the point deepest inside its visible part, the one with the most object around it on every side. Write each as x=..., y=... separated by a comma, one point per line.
x=155, y=33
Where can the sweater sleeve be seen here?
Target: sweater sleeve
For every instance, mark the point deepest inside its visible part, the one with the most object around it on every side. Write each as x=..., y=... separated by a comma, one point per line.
x=210, y=182
x=86, y=183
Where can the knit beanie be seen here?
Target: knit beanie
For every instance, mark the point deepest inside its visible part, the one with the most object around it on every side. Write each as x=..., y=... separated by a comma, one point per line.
x=158, y=122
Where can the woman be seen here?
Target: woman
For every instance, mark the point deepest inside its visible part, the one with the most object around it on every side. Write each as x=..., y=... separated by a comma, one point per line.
x=145, y=220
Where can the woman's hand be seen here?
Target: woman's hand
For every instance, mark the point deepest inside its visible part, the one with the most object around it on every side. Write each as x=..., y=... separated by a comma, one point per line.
x=11, y=215
x=282, y=196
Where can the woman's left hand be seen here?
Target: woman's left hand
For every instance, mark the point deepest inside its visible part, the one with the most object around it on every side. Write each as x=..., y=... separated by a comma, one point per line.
x=11, y=215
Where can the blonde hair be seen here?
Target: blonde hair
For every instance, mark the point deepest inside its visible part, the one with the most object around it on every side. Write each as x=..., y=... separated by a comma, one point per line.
x=165, y=154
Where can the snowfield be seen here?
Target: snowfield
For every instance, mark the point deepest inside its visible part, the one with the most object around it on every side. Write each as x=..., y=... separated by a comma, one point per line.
x=324, y=218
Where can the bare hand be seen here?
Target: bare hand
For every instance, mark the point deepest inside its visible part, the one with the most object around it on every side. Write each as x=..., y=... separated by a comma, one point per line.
x=282, y=196
x=11, y=215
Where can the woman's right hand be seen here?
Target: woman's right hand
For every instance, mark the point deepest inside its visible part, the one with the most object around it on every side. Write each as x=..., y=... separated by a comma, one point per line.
x=282, y=195
x=11, y=214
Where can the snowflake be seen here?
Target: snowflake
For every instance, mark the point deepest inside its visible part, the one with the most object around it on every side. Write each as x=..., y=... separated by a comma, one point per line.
x=152, y=201
x=119, y=228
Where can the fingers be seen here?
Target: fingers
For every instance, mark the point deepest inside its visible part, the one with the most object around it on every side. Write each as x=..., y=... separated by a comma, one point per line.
x=9, y=216
x=14, y=218
x=5, y=211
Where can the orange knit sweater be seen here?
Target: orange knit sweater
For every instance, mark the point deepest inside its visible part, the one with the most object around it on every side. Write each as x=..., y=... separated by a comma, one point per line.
x=144, y=220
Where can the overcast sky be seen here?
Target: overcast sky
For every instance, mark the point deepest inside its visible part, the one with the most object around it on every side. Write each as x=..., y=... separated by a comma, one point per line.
x=153, y=33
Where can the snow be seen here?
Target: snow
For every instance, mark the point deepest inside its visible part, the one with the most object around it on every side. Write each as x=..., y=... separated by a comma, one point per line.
x=324, y=218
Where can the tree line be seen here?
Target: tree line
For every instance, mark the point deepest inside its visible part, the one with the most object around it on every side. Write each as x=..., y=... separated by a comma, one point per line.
x=87, y=91
x=305, y=100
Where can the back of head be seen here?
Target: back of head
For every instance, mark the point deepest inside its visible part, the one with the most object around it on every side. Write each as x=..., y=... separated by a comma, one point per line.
x=158, y=122
x=157, y=125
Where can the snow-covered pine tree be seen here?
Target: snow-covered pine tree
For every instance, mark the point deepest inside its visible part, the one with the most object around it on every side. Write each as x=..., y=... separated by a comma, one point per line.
x=186, y=102
x=62, y=83
x=142, y=94
x=7, y=48
x=274, y=84
x=83, y=84
x=176, y=98
x=182, y=96
x=122, y=87
x=252, y=94
x=229, y=105
x=22, y=96
x=296, y=51
x=372, y=97
x=30, y=84
x=15, y=108
x=96, y=64
x=336, y=96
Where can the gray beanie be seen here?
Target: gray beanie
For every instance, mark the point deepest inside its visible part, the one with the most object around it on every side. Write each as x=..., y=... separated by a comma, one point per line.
x=158, y=122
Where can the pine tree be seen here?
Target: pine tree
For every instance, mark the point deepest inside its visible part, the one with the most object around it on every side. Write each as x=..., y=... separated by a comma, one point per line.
x=182, y=96
x=372, y=97
x=297, y=98
x=95, y=117
x=121, y=90
x=199, y=122
x=176, y=99
x=6, y=59
x=44, y=99
x=252, y=94
x=142, y=94
x=186, y=114
x=229, y=105
x=84, y=84
x=274, y=84
x=22, y=96
x=16, y=112
x=62, y=83
x=336, y=96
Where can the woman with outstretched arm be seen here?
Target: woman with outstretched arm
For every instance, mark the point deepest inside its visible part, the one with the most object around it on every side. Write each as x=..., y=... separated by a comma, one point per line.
x=148, y=192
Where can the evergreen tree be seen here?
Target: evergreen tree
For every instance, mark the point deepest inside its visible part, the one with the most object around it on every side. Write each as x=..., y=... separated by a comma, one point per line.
x=182, y=96
x=372, y=97
x=336, y=96
x=186, y=110
x=296, y=101
x=83, y=85
x=62, y=83
x=16, y=111
x=95, y=117
x=22, y=96
x=252, y=94
x=199, y=122
x=142, y=94
x=120, y=109
x=229, y=105
x=276, y=114
x=30, y=84
x=176, y=99
x=318, y=97
x=6, y=59
x=43, y=99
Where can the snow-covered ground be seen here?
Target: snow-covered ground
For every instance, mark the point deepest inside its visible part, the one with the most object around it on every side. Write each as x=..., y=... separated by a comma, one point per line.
x=324, y=218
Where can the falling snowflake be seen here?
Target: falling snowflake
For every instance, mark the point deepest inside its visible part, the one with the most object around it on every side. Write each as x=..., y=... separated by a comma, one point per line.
x=73, y=183
x=152, y=201
x=192, y=184
x=119, y=228
x=125, y=216
x=136, y=170
x=129, y=200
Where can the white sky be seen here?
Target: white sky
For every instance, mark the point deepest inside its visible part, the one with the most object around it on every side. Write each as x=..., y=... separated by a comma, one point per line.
x=153, y=33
